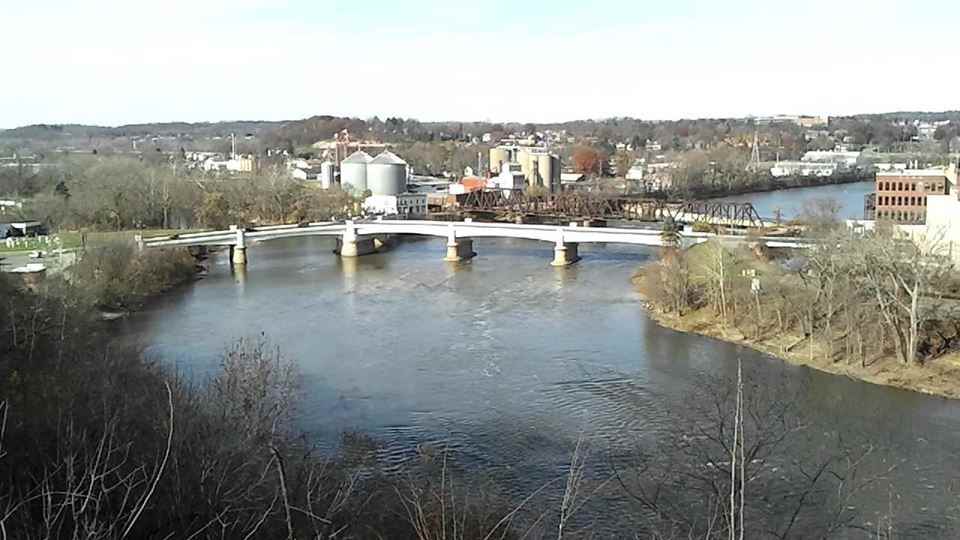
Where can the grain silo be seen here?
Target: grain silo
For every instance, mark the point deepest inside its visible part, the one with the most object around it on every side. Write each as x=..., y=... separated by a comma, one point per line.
x=353, y=171
x=524, y=157
x=548, y=165
x=387, y=174
x=326, y=174
x=498, y=156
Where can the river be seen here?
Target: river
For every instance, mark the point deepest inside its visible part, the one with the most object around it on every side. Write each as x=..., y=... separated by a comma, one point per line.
x=507, y=361
x=789, y=202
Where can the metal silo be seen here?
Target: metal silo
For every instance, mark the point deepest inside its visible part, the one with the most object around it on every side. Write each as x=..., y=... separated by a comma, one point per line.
x=353, y=171
x=498, y=156
x=548, y=165
x=524, y=157
x=326, y=174
x=387, y=174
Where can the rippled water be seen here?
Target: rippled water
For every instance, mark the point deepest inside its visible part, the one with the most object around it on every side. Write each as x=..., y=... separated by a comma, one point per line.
x=508, y=361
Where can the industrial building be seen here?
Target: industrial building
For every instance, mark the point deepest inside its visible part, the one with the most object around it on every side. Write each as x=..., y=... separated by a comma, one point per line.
x=901, y=195
x=401, y=205
x=538, y=166
x=848, y=160
x=803, y=168
x=510, y=179
x=943, y=217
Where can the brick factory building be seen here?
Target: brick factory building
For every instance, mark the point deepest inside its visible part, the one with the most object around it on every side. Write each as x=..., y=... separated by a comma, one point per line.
x=901, y=195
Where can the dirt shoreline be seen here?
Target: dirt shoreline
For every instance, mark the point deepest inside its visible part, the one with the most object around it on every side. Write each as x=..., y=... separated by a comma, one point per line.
x=939, y=377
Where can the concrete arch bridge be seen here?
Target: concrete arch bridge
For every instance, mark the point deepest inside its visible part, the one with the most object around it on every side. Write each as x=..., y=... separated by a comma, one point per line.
x=355, y=238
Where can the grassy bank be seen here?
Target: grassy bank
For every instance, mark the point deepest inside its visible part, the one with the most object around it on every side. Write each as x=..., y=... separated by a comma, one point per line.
x=783, y=321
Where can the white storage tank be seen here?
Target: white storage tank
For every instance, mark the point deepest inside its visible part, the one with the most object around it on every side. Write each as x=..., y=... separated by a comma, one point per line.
x=353, y=171
x=387, y=174
x=327, y=173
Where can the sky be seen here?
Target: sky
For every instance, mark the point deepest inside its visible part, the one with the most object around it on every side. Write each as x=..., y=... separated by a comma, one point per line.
x=114, y=62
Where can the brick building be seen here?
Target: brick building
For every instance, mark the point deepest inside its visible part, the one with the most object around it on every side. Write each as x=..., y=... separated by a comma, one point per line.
x=901, y=195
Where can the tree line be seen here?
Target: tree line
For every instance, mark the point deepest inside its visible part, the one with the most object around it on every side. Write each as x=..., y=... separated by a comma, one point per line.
x=118, y=193
x=854, y=297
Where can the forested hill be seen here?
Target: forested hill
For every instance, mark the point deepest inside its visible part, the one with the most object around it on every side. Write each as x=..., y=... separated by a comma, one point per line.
x=86, y=137
x=883, y=129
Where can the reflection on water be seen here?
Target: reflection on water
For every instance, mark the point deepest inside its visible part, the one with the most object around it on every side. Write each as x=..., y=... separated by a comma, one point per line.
x=507, y=360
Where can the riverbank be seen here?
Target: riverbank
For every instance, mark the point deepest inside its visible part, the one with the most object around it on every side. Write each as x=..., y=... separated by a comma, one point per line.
x=938, y=377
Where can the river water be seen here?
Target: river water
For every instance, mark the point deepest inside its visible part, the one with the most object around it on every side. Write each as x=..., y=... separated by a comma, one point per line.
x=789, y=202
x=507, y=361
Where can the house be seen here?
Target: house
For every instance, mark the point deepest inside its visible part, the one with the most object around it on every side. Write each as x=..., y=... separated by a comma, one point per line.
x=572, y=178
x=8, y=231
x=28, y=227
x=403, y=204
x=306, y=174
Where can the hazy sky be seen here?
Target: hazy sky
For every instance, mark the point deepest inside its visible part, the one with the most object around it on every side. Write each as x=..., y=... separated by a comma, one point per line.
x=115, y=62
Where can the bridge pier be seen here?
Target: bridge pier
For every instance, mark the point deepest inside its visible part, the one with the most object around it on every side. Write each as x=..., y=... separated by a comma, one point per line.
x=565, y=254
x=356, y=247
x=238, y=251
x=458, y=249
x=238, y=255
x=353, y=245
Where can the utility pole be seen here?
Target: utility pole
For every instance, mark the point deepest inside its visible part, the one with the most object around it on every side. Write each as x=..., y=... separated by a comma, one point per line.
x=755, y=154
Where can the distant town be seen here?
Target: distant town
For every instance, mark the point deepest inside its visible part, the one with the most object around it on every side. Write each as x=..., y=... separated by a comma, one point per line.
x=404, y=167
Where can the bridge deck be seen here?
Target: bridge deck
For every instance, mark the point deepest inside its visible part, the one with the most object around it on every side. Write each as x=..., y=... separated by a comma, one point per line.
x=459, y=229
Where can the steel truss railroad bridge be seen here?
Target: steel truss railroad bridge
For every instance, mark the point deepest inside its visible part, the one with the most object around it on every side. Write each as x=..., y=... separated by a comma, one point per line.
x=568, y=206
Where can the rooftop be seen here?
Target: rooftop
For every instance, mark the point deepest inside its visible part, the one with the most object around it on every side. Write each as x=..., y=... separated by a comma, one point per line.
x=358, y=157
x=388, y=158
x=913, y=172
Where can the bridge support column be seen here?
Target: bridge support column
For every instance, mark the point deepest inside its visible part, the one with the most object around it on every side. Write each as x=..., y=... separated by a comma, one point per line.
x=238, y=255
x=353, y=245
x=238, y=251
x=565, y=254
x=356, y=247
x=458, y=249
